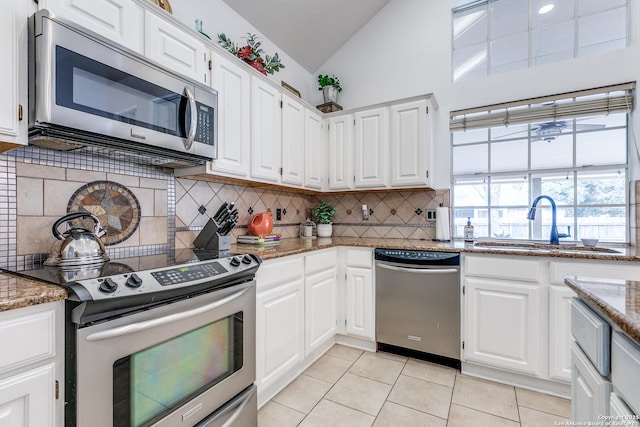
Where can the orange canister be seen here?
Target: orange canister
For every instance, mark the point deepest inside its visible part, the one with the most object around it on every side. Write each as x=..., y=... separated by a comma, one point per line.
x=261, y=223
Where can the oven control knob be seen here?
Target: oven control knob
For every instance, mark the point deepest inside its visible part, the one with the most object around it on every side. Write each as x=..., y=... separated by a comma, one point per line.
x=235, y=262
x=246, y=259
x=134, y=281
x=107, y=286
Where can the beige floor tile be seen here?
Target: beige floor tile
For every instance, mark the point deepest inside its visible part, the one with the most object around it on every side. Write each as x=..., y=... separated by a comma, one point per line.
x=392, y=356
x=486, y=396
x=544, y=402
x=343, y=352
x=430, y=372
x=330, y=414
x=533, y=418
x=422, y=395
x=359, y=393
x=393, y=415
x=328, y=368
x=275, y=415
x=303, y=393
x=460, y=416
x=377, y=368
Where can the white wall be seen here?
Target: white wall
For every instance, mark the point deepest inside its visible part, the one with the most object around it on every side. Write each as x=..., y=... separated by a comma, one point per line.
x=218, y=17
x=405, y=50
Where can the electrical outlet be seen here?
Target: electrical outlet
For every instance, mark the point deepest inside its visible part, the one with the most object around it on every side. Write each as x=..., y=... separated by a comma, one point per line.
x=278, y=214
x=430, y=215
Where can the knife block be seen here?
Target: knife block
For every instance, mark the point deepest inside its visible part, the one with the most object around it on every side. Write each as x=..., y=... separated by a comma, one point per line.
x=210, y=239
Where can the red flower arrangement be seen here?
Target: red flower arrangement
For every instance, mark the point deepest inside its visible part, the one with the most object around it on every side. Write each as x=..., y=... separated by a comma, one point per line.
x=252, y=54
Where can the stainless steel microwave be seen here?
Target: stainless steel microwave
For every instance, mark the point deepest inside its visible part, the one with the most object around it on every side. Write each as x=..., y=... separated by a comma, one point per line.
x=84, y=90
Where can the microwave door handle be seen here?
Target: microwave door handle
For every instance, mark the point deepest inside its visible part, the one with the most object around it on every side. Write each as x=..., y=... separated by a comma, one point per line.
x=191, y=135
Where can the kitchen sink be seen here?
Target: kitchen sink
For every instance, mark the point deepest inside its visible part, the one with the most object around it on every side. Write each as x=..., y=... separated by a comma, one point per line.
x=543, y=247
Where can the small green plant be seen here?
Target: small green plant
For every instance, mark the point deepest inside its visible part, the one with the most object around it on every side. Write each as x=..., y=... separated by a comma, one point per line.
x=325, y=80
x=324, y=213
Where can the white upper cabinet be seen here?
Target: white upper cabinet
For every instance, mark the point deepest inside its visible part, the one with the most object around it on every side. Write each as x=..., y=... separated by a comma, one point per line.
x=293, y=138
x=13, y=72
x=340, y=156
x=266, y=131
x=409, y=144
x=175, y=49
x=371, y=148
x=315, y=149
x=117, y=20
x=233, y=84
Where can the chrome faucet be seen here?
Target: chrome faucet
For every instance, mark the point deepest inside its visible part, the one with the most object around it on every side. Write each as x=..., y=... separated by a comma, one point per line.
x=555, y=237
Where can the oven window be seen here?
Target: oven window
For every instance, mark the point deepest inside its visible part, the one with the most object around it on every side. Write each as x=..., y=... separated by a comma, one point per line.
x=151, y=383
x=89, y=86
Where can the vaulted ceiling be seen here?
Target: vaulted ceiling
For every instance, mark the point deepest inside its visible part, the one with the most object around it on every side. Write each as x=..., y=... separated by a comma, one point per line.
x=309, y=31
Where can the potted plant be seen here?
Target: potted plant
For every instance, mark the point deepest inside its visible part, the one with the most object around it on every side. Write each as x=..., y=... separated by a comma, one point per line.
x=323, y=213
x=330, y=86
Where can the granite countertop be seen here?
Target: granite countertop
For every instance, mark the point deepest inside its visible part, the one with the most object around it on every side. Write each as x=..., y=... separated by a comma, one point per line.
x=296, y=246
x=616, y=300
x=16, y=291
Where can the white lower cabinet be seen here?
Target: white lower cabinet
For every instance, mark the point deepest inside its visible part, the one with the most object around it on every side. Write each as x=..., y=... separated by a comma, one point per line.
x=279, y=321
x=503, y=324
x=321, y=301
x=560, y=332
x=27, y=399
x=589, y=390
x=32, y=372
x=359, y=293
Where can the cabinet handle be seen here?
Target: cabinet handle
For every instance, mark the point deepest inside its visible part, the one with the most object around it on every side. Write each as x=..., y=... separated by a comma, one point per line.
x=20, y=112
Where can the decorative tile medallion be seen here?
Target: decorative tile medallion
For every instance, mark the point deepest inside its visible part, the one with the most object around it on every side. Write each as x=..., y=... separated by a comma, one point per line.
x=115, y=205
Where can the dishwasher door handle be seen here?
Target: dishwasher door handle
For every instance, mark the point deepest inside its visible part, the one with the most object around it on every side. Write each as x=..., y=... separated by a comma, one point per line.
x=418, y=270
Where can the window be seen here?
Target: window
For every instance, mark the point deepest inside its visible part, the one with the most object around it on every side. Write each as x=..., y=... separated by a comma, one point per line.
x=572, y=148
x=494, y=36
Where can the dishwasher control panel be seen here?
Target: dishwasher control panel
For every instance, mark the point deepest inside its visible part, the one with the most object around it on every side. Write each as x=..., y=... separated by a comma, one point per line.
x=418, y=257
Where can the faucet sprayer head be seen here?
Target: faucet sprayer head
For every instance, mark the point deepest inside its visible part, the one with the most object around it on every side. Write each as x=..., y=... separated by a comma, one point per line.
x=532, y=214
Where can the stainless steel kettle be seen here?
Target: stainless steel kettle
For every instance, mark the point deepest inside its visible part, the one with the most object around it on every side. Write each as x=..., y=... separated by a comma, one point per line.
x=77, y=247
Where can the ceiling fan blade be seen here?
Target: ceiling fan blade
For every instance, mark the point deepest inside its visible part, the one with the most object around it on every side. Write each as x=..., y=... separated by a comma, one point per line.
x=588, y=126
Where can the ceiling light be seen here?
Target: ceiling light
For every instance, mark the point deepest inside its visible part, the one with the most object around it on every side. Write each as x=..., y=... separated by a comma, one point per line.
x=546, y=8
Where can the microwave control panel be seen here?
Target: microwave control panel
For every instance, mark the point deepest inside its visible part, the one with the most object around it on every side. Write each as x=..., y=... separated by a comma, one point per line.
x=204, y=129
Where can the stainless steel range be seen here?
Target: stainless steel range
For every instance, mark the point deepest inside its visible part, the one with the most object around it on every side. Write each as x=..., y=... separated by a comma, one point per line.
x=164, y=340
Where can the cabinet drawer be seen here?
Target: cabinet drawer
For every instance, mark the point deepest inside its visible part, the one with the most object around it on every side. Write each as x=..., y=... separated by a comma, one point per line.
x=321, y=260
x=592, y=333
x=26, y=338
x=360, y=257
x=589, y=390
x=275, y=272
x=502, y=268
x=625, y=369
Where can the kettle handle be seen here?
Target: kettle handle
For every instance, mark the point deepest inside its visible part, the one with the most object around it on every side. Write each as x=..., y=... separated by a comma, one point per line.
x=59, y=236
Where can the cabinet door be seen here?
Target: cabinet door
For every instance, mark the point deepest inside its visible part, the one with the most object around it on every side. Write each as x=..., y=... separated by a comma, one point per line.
x=503, y=324
x=293, y=118
x=234, y=97
x=13, y=72
x=315, y=151
x=589, y=391
x=27, y=399
x=560, y=332
x=117, y=20
x=371, y=148
x=359, y=307
x=340, y=160
x=320, y=309
x=279, y=331
x=409, y=144
x=266, y=132
x=168, y=45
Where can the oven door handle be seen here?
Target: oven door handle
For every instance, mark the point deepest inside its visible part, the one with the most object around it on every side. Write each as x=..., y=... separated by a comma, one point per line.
x=161, y=321
x=418, y=270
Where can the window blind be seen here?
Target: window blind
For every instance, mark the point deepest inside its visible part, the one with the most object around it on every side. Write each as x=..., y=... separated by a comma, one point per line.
x=598, y=101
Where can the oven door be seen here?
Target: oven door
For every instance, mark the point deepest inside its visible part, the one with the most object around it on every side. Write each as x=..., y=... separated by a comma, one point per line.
x=168, y=366
x=81, y=82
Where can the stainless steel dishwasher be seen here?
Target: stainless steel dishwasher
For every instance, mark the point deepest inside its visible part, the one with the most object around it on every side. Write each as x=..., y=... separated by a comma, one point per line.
x=418, y=304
